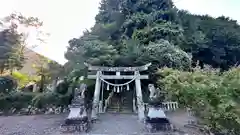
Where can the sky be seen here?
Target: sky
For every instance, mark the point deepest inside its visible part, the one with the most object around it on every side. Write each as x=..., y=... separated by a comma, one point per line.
x=67, y=19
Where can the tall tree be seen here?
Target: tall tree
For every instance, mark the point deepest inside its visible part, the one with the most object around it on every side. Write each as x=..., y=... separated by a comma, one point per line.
x=120, y=22
x=92, y=50
x=13, y=39
x=130, y=26
x=213, y=41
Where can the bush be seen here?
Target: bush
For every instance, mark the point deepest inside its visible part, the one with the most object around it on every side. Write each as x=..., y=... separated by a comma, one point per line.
x=62, y=87
x=212, y=95
x=51, y=99
x=17, y=100
x=7, y=84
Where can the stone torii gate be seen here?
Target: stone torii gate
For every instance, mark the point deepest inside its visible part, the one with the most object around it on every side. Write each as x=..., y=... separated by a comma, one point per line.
x=100, y=76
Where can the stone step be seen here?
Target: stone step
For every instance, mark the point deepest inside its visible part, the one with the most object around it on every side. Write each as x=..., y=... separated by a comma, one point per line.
x=123, y=108
x=115, y=109
x=120, y=108
x=121, y=111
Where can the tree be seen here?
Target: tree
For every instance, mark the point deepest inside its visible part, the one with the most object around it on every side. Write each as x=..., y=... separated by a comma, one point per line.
x=163, y=54
x=213, y=41
x=91, y=50
x=129, y=27
x=48, y=71
x=13, y=40
x=119, y=23
x=9, y=41
x=41, y=67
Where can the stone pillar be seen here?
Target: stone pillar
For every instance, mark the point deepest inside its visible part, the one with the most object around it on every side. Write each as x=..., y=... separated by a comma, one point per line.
x=96, y=96
x=139, y=96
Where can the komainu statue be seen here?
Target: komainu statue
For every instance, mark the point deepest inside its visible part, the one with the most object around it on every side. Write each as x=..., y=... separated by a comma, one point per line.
x=77, y=119
x=152, y=90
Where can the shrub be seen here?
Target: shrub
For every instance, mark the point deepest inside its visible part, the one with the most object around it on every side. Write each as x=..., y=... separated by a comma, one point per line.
x=62, y=87
x=19, y=100
x=16, y=100
x=51, y=99
x=7, y=84
x=212, y=95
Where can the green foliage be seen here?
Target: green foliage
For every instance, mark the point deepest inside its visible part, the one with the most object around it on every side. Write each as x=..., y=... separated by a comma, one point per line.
x=16, y=100
x=23, y=79
x=116, y=24
x=47, y=70
x=44, y=100
x=7, y=84
x=19, y=100
x=165, y=54
x=213, y=41
x=62, y=88
x=213, y=96
x=9, y=42
x=12, y=41
x=89, y=49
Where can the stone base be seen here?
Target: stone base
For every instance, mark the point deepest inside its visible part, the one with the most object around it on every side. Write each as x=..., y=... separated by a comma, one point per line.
x=76, y=125
x=84, y=127
x=76, y=120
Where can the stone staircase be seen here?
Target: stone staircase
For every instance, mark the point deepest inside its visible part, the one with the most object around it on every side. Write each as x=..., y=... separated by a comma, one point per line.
x=124, y=107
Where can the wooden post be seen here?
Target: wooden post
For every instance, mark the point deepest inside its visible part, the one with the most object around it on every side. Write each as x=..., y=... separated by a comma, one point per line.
x=96, y=96
x=139, y=96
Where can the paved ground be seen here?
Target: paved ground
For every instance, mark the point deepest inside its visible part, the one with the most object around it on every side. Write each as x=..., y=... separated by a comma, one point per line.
x=111, y=124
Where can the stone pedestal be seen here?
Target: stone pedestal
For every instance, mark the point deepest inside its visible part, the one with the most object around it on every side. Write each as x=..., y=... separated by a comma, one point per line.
x=77, y=109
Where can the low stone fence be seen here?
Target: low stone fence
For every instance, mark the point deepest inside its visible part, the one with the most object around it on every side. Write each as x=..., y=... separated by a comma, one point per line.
x=170, y=106
x=165, y=106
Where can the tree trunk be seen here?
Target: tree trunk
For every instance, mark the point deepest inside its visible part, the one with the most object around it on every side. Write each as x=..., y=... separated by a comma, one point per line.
x=42, y=83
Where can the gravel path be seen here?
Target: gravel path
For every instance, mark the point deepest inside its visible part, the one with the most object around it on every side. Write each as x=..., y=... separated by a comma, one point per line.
x=117, y=124
x=111, y=124
x=49, y=125
x=30, y=125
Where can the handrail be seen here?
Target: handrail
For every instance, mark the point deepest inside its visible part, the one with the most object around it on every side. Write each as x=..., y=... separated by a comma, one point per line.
x=108, y=100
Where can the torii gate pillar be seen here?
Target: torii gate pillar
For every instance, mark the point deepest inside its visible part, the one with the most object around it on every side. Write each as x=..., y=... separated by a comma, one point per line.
x=139, y=96
x=96, y=96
